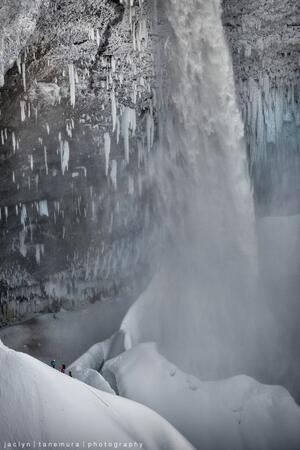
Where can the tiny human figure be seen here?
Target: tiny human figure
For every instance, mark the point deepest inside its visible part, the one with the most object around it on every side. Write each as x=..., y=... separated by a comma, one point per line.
x=63, y=368
x=70, y=374
x=53, y=363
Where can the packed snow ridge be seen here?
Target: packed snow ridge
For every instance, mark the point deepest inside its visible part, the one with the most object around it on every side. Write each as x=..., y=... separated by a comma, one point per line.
x=39, y=404
x=234, y=413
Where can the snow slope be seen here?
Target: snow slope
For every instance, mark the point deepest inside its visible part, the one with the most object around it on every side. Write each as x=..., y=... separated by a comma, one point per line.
x=37, y=403
x=235, y=413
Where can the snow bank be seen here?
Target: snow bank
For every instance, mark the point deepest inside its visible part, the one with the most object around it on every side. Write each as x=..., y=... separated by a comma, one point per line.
x=37, y=403
x=236, y=413
x=86, y=368
x=92, y=378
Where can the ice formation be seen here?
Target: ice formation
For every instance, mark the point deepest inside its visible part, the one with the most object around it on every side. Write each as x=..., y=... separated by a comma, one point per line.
x=23, y=110
x=113, y=173
x=72, y=84
x=64, y=150
x=269, y=111
x=43, y=208
x=113, y=110
x=128, y=128
x=107, y=144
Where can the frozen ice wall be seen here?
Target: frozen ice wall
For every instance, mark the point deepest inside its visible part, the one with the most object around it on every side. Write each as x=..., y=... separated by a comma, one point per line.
x=264, y=41
x=201, y=307
x=271, y=112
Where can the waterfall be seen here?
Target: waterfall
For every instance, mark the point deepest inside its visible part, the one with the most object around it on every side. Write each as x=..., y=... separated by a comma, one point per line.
x=200, y=306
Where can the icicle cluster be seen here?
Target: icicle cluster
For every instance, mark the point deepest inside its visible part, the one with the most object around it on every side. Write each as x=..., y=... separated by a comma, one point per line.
x=272, y=118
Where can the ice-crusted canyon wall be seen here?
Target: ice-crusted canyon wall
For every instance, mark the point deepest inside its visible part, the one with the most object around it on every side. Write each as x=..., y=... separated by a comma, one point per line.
x=77, y=126
x=78, y=122
x=265, y=41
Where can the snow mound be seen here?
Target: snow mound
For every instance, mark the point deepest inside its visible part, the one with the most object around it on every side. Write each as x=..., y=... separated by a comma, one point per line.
x=236, y=413
x=92, y=378
x=38, y=403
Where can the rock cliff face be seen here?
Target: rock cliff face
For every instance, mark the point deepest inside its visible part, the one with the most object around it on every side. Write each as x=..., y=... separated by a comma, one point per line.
x=265, y=41
x=78, y=126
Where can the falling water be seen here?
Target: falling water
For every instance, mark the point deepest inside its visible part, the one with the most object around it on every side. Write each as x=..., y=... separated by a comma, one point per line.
x=200, y=307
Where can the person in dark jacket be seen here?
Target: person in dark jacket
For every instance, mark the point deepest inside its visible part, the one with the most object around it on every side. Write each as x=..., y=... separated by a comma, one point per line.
x=63, y=368
x=53, y=363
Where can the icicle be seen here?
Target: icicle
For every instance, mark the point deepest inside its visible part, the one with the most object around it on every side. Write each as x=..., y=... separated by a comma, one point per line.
x=134, y=92
x=46, y=162
x=118, y=126
x=140, y=185
x=150, y=131
x=107, y=144
x=98, y=37
x=69, y=129
x=23, y=216
x=24, y=76
x=23, y=110
x=113, y=109
x=38, y=254
x=72, y=84
x=19, y=65
x=22, y=245
x=14, y=142
x=113, y=64
x=92, y=34
x=130, y=185
x=113, y=174
x=141, y=35
x=42, y=208
x=128, y=124
x=64, y=155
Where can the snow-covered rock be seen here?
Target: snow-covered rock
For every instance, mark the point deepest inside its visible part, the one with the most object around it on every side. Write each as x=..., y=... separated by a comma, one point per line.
x=235, y=413
x=37, y=403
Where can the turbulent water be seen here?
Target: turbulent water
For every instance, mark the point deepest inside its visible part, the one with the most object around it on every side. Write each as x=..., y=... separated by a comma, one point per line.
x=201, y=306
